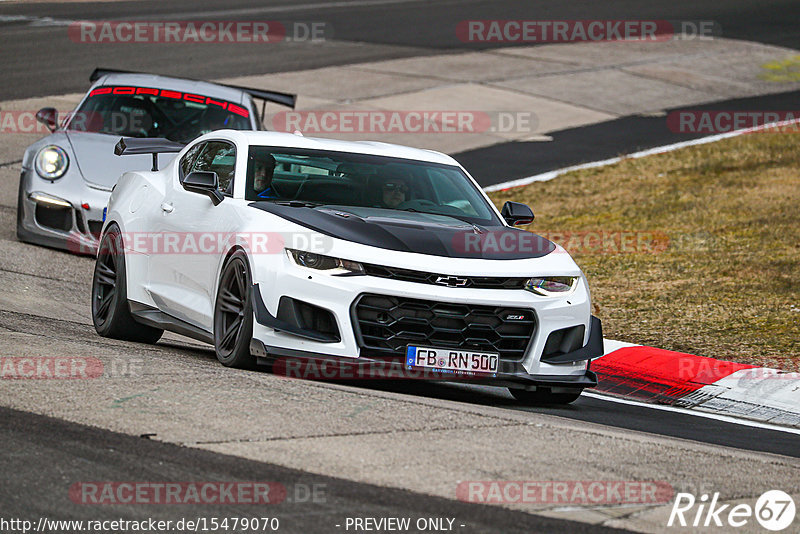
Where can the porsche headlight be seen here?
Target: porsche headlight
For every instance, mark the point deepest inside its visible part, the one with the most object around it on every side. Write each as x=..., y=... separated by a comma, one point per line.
x=552, y=286
x=318, y=262
x=51, y=162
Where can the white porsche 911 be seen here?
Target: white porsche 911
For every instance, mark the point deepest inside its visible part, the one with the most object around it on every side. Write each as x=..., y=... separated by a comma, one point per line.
x=275, y=246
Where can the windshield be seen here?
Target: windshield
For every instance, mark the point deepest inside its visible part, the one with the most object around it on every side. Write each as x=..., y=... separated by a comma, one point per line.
x=148, y=112
x=346, y=179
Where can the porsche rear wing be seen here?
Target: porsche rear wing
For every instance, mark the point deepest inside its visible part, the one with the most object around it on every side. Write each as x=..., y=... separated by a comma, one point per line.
x=146, y=145
x=285, y=99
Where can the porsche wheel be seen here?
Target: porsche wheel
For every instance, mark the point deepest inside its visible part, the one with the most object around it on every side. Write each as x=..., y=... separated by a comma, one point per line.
x=233, y=314
x=110, y=313
x=543, y=396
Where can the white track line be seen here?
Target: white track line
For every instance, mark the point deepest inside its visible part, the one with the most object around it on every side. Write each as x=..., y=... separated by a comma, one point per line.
x=547, y=176
x=35, y=21
x=610, y=345
x=723, y=418
x=288, y=8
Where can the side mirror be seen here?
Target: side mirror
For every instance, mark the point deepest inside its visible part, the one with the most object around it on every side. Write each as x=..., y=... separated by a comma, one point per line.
x=205, y=183
x=48, y=117
x=516, y=213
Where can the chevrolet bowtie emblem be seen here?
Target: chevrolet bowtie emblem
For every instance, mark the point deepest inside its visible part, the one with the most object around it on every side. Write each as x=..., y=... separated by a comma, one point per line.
x=451, y=281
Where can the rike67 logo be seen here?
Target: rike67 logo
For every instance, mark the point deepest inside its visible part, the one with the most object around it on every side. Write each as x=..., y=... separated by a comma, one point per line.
x=774, y=510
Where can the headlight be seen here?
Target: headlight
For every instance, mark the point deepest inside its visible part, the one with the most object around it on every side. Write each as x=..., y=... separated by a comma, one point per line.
x=319, y=262
x=51, y=162
x=552, y=286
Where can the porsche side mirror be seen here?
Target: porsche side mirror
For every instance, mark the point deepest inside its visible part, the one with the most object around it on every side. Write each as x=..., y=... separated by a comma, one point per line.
x=516, y=213
x=205, y=183
x=48, y=117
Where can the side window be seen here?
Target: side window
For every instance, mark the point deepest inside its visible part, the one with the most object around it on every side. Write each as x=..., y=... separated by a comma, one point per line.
x=188, y=159
x=218, y=157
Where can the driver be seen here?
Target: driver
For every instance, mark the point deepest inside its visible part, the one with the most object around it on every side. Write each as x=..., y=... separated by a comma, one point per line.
x=216, y=119
x=394, y=190
x=263, y=169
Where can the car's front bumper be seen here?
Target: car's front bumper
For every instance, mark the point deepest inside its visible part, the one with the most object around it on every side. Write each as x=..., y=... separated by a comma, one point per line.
x=276, y=338
x=310, y=365
x=73, y=228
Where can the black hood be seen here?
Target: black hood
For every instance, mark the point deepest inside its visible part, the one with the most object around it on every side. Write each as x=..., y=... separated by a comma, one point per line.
x=421, y=233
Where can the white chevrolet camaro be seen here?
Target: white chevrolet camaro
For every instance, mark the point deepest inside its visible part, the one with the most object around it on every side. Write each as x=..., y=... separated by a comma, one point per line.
x=281, y=248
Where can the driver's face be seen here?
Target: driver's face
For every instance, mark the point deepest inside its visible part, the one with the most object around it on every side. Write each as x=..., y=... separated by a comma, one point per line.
x=394, y=193
x=260, y=176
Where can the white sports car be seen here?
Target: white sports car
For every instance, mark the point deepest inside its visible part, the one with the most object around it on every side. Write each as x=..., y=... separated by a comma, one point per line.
x=274, y=246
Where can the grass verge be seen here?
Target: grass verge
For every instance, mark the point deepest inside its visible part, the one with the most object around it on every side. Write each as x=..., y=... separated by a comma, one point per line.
x=696, y=250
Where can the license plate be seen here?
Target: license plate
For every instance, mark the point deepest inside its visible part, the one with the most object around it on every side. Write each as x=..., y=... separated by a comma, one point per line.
x=452, y=359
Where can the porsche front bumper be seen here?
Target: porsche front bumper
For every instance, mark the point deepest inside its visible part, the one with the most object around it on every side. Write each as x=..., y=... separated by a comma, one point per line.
x=55, y=216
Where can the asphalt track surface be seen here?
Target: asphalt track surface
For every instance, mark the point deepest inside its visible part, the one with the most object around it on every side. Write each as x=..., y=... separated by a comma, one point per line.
x=39, y=58
x=372, y=30
x=597, y=142
x=43, y=456
x=362, y=30
x=630, y=417
x=34, y=488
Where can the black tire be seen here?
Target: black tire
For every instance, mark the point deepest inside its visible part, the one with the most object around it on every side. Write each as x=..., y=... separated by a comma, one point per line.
x=110, y=312
x=543, y=396
x=233, y=314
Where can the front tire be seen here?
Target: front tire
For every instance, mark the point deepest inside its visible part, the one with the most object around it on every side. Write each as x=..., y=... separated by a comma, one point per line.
x=110, y=312
x=233, y=314
x=543, y=396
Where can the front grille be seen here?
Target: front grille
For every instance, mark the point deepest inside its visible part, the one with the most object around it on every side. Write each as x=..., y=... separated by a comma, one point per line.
x=475, y=282
x=57, y=218
x=387, y=324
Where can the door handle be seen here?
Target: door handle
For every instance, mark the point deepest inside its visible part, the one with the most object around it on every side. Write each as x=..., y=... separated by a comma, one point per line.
x=167, y=207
